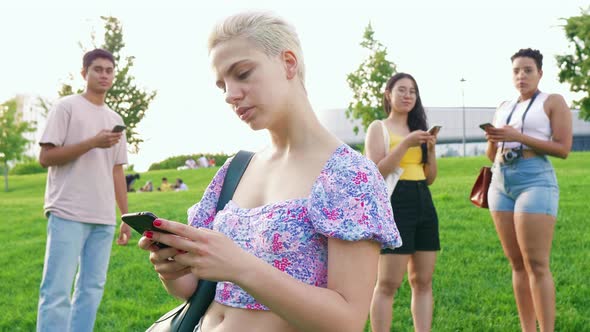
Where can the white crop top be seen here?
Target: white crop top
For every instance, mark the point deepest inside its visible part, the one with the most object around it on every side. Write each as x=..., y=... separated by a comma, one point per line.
x=536, y=123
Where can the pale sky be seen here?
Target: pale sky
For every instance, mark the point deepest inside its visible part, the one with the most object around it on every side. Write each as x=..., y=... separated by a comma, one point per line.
x=438, y=42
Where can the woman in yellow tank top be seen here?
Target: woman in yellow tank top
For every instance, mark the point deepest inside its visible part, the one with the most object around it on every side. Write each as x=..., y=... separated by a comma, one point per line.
x=411, y=148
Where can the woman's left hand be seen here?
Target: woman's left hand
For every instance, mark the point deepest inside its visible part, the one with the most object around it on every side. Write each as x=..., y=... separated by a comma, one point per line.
x=504, y=134
x=211, y=255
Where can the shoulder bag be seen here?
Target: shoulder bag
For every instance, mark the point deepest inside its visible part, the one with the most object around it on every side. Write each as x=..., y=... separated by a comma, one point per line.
x=391, y=178
x=186, y=316
x=479, y=192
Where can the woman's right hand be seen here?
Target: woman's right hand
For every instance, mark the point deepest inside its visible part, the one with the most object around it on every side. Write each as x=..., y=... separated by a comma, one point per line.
x=417, y=138
x=163, y=260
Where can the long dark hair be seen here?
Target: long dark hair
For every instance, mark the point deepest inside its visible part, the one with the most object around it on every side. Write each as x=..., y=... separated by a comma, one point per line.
x=416, y=117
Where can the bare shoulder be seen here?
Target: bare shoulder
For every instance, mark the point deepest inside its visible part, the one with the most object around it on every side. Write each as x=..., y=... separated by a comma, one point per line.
x=556, y=104
x=374, y=134
x=327, y=145
x=376, y=124
x=556, y=98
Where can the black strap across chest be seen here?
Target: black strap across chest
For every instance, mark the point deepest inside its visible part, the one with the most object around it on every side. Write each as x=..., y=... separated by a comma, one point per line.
x=523, y=115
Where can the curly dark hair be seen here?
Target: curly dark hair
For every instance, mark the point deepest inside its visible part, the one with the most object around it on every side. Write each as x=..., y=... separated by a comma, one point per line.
x=529, y=53
x=417, y=116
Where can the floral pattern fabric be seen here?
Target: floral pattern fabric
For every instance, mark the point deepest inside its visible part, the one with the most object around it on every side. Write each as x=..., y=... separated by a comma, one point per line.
x=348, y=201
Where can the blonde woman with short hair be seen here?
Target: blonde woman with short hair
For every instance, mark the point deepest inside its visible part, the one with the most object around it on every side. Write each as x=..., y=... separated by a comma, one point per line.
x=297, y=247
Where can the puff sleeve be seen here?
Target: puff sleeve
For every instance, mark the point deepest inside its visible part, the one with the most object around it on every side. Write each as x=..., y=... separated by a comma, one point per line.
x=349, y=201
x=203, y=213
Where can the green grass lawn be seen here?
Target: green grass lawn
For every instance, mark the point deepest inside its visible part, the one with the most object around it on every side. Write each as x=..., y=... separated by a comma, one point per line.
x=472, y=282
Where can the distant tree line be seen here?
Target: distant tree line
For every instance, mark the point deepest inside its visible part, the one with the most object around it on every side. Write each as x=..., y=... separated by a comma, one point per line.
x=177, y=161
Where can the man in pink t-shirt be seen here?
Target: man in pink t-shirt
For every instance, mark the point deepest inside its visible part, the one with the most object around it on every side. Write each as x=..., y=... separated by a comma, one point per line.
x=85, y=158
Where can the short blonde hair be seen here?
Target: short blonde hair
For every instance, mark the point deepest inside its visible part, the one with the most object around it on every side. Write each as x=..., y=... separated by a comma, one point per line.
x=270, y=33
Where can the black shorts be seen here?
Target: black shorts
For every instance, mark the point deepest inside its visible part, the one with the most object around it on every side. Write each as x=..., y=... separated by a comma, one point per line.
x=415, y=217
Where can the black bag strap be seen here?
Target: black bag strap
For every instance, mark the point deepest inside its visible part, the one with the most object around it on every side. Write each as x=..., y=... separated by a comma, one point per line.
x=236, y=169
x=188, y=316
x=523, y=116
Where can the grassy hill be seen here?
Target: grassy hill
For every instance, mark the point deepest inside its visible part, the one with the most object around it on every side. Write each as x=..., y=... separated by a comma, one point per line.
x=472, y=284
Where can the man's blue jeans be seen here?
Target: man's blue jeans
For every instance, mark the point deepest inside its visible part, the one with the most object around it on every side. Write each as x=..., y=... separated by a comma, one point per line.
x=70, y=245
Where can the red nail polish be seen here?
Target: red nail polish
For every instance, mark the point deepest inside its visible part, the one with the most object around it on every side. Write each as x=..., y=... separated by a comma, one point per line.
x=157, y=222
x=148, y=234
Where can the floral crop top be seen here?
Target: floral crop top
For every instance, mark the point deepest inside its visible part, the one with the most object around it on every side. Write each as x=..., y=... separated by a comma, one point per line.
x=348, y=201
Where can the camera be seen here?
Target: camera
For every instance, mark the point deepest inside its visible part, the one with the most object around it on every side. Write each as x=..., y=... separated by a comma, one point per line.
x=511, y=155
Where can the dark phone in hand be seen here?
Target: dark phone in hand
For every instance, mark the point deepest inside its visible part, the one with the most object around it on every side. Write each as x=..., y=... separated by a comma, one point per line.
x=118, y=128
x=483, y=126
x=143, y=221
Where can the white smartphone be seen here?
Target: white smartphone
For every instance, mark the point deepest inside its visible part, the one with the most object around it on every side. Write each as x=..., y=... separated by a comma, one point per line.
x=433, y=130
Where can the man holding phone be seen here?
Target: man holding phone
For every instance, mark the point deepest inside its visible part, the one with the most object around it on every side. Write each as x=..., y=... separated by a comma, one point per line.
x=85, y=157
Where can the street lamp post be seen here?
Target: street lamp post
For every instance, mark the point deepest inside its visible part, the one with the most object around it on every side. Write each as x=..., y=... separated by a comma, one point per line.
x=463, y=80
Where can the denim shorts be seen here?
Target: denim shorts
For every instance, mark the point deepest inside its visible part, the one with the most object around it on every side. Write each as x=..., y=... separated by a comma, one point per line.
x=524, y=185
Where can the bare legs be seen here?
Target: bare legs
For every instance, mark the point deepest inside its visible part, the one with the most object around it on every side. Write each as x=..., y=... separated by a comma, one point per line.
x=421, y=269
x=526, y=239
x=392, y=269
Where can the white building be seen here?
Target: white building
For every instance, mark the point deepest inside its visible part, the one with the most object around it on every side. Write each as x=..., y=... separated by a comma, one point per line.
x=451, y=134
x=32, y=111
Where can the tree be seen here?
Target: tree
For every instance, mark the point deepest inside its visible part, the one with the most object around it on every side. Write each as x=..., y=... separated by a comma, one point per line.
x=368, y=81
x=575, y=68
x=124, y=97
x=13, y=143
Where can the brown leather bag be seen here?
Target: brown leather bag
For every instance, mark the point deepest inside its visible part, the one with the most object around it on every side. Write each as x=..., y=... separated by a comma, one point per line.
x=479, y=192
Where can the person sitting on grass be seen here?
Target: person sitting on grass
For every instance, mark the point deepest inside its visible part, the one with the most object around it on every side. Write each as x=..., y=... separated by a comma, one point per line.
x=165, y=186
x=130, y=179
x=180, y=186
x=147, y=187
